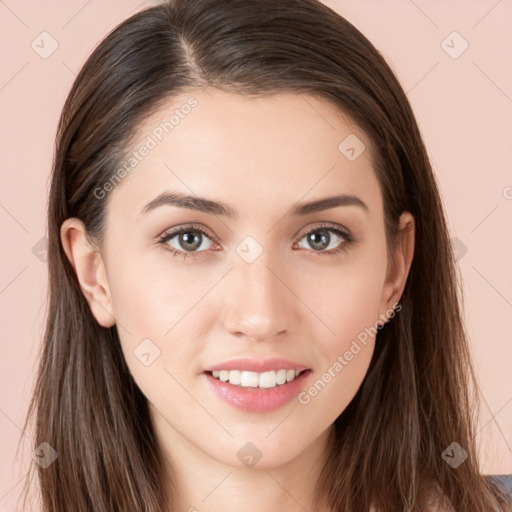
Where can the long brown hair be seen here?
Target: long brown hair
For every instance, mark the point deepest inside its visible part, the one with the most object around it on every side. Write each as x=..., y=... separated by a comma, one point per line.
x=420, y=393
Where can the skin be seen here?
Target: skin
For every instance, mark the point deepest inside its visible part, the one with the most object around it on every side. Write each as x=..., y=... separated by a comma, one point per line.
x=260, y=156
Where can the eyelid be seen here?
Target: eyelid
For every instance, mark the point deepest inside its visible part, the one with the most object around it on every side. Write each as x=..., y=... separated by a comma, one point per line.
x=327, y=225
x=348, y=238
x=170, y=233
x=186, y=227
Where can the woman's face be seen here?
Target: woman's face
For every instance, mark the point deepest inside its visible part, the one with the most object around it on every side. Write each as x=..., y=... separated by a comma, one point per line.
x=246, y=292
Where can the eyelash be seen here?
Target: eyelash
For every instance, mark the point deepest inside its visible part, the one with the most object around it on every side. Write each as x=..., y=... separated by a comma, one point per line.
x=348, y=239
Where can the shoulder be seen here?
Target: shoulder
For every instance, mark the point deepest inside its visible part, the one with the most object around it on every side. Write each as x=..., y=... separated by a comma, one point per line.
x=504, y=482
x=438, y=503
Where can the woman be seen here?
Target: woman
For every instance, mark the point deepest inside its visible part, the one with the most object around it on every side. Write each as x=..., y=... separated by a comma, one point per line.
x=253, y=299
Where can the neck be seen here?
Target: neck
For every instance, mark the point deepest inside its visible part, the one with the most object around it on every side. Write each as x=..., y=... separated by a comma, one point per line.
x=205, y=484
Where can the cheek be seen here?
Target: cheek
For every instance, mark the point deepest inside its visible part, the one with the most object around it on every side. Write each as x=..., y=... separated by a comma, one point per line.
x=150, y=296
x=350, y=309
x=155, y=308
x=332, y=389
x=348, y=351
x=348, y=302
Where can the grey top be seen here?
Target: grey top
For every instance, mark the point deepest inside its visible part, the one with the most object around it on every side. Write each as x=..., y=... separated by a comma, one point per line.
x=504, y=481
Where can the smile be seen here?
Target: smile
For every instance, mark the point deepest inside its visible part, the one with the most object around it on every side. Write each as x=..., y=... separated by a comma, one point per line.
x=256, y=392
x=246, y=379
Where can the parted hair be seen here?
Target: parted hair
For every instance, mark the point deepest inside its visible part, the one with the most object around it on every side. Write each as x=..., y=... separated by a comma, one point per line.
x=420, y=392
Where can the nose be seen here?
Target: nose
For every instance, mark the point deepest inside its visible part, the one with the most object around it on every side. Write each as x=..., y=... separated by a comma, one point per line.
x=259, y=302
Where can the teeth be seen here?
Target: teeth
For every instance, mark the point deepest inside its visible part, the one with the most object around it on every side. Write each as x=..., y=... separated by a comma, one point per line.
x=267, y=379
x=281, y=376
x=249, y=380
x=245, y=379
x=235, y=377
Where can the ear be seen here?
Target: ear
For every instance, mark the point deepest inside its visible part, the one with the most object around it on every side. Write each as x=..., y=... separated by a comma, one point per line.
x=399, y=266
x=89, y=267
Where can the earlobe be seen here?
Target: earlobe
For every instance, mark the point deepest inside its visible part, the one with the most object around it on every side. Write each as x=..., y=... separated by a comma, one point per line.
x=89, y=268
x=398, y=269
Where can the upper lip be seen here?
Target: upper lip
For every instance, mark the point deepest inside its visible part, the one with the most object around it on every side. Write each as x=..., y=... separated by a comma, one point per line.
x=257, y=365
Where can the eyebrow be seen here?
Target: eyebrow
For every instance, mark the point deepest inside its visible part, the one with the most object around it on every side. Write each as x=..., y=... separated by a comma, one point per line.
x=202, y=204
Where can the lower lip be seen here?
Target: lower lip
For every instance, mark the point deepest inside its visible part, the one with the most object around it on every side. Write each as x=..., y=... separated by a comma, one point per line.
x=257, y=399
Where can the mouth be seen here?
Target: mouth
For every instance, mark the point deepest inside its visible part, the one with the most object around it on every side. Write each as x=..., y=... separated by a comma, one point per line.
x=263, y=380
x=257, y=386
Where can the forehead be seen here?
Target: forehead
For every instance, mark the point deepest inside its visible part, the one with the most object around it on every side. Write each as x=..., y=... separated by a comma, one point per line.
x=260, y=152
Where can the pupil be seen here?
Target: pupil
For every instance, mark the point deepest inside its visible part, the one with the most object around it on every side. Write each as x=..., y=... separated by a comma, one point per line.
x=322, y=242
x=188, y=238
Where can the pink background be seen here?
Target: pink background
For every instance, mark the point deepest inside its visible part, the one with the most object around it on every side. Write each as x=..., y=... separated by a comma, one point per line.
x=464, y=109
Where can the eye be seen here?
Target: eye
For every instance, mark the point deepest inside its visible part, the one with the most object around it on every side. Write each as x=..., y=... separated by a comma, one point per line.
x=185, y=240
x=328, y=239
